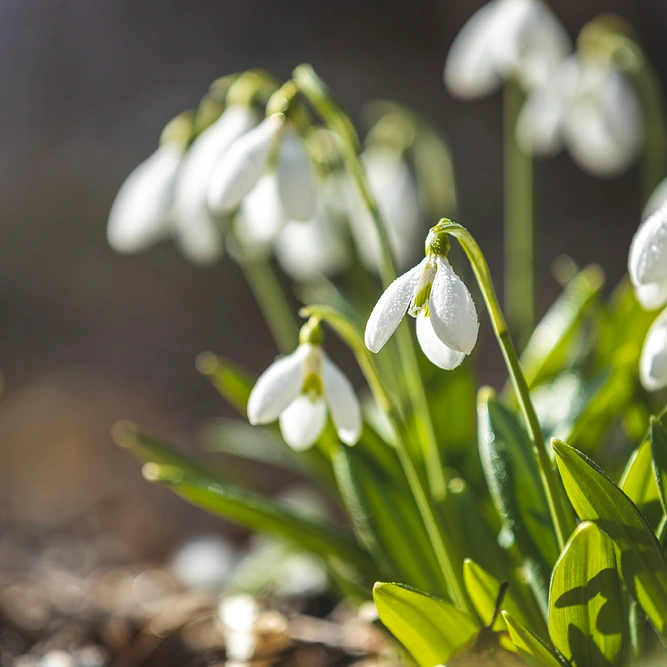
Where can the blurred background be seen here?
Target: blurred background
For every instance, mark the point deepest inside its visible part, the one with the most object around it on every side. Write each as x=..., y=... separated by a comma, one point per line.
x=88, y=337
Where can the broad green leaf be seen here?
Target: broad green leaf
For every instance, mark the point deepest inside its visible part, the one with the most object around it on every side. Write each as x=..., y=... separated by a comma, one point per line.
x=546, y=353
x=596, y=498
x=638, y=483
x=585, y=609
x=208, y=491
x=516, y=489
x=533, y=650
x=432, y=630
x=387, y=524
x=233, y=384
x=658, y=438
x=483, y=589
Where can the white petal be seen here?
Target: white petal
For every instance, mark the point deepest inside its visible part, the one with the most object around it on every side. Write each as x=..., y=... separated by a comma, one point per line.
x=262, y=214
x=540, y=121
x=452, y=310
x=241, y=167
x=647, y=261
x=343, y=403
x=653, y=361
x=435, y=350
x=391, y=308
x=652, y=295
x=295, y=177
x=141, y=212
x=310, y=248
x=196, y=229
x=657, y=200
x=303, y=421
x=469, y=70
x=277, y=386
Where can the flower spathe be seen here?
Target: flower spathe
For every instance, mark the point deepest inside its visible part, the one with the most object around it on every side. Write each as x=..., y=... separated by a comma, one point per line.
x=298, y=390
x=505, y=39
x=141, y=214
x=431, y=292
x=647, y=261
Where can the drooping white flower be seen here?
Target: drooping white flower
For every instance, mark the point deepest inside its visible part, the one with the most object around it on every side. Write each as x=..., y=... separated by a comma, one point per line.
x=653, y=360
x=446, y=317
x=273, y=144
x=197, y=231
x=647, y=261
x=505, y=39
x=591, y=108
x=298, y=389
x=394, y=188
x=261, y=215
x=141, y=214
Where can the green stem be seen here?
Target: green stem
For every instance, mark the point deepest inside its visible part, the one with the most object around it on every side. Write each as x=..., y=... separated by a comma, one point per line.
x=558, y=504
x=519, y=234
x=319, y=96
x=271, y=300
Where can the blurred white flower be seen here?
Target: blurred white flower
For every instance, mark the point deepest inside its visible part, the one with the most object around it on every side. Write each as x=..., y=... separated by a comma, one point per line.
x=647, y=261
x=297, y=389
x=446, y=317
x=589, y=107
x=272, y=146
x=505, y=39
x=141, y=214
x=204, y=563
x=653, y=360
x=394, y=188
x=308, y=248
x=261, y=215
x=197, y=231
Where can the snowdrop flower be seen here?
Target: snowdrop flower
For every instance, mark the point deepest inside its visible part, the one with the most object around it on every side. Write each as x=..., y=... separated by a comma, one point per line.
x=197, y=231
x=141, y=214
x=592, y=109
x=261, y=215
x=394, y=188
x=505, y=39
x=272, y=147
x=298, y=388
x=647, y=261
x=437, y=298
x=653, y=360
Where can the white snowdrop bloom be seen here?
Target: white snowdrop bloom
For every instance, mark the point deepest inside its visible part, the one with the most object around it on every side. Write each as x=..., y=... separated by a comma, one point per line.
x=446, y=317
x=298, y=389
x=251, y=156
x=505, y=39
x=197, y=231
x=394, y=188
x=647, y=261
x=261, y=214
x=653, y=360
x=141, y=214
x=657, y=200
x=589, y=107
x=308, y=248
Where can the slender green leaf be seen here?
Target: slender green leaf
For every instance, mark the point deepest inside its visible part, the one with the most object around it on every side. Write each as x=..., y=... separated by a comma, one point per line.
x=432, y=630
x=585, y=608
x=546, y=353
x=483, y=589
x=208, y=491
x=533, y=650
x=596, y=498
x=233, y=384
x=638, y=483
x=516, y=489
x=387, y=524
x=658, y=438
